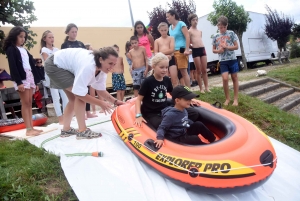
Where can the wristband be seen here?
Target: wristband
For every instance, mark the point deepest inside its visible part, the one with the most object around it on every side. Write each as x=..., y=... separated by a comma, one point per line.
x=138, y=115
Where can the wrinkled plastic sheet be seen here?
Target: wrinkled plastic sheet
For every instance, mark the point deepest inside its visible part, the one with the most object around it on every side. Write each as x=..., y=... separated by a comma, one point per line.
x=119, y=175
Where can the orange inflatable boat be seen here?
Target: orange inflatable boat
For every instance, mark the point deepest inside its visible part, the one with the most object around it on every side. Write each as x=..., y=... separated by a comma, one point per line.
x=242, y=159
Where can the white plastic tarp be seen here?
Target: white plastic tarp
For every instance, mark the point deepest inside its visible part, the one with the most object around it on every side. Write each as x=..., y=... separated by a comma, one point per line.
x=119, y=175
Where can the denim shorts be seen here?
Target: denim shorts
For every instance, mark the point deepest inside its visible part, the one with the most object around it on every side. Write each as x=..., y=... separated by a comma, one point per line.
x=230, y=66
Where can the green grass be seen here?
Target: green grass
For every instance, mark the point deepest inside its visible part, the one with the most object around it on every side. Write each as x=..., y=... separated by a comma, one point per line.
x=274, y=122
x=30, y=173
x=289, y=75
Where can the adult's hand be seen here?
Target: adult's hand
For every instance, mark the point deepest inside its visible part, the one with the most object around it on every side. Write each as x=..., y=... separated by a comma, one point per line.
x=118, y=102
x=186, y=52
x=106, y=107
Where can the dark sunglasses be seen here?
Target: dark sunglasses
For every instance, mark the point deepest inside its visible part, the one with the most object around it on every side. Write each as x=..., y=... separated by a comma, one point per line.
x=38, y=62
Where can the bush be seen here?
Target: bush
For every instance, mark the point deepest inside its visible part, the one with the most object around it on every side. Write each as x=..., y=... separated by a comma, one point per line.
x=295, y=50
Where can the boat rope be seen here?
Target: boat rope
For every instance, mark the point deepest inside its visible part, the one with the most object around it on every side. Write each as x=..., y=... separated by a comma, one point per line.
x=56, y=136
x=189, y=171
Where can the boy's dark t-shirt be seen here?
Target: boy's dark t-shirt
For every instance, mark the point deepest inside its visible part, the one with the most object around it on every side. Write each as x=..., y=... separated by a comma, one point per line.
x=155, y=94
x=72, y=44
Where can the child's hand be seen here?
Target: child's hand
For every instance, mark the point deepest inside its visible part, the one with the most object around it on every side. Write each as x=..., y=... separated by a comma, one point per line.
x=169, y=57
x=223, y=45
x=221, y=50
x=159, y=143
x=106, y=107
x=21, y=88
x=138, y=121
x=37, y=88
x=195, y=102
x=145, y=73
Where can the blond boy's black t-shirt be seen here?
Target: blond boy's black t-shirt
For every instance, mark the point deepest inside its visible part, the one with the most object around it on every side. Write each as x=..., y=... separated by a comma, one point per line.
x=155, y=94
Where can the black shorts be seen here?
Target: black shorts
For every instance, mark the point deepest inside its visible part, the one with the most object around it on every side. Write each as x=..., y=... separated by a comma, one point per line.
x=198, y=52
x=192, y=66
x=172, y=62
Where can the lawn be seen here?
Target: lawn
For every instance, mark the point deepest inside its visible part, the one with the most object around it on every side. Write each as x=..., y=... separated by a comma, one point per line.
x=30, y=173
x=290, y=75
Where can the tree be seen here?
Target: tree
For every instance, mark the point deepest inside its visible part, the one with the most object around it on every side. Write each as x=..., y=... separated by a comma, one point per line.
x=278, y=27
x=238, y=19
x=296, y=30
x=17, y=13
x=158, y=14
x=183, y=9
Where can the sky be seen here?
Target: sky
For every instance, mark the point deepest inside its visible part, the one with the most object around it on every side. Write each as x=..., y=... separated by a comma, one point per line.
x=115, y=13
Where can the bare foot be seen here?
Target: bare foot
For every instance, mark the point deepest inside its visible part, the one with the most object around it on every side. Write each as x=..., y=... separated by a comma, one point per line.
x=235, y=103
x=32, y=132
x=38, y=130
x=61, y=120
x=226, y=102
x=90, y=115
x=101, y=111
x=202, y=91
x=207, y=90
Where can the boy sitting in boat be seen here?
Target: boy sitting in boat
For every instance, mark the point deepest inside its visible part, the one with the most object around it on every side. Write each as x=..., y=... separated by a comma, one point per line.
x=175, y=124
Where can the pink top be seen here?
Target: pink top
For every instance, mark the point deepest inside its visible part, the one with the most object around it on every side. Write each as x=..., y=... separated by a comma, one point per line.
x=144, y=41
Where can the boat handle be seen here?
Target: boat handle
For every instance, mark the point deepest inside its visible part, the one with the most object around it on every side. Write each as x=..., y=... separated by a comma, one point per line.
x=151, y=145
x=217, y=104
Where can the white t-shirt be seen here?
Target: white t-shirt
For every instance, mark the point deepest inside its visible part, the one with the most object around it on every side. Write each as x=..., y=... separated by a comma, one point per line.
x=25, y=58
x=49, y=52
x=81, y=63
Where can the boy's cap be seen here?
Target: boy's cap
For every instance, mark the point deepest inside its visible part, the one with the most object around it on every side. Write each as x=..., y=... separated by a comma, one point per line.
x=183, y=92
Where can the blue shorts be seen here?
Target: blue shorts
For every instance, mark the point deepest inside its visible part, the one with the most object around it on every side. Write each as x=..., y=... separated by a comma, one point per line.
x=118, y=82
x=230, y=66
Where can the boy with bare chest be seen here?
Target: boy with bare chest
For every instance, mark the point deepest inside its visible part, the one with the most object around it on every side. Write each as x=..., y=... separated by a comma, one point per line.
x=139, y=68
x=198, y=53
x=166, y=45
x=118, y=80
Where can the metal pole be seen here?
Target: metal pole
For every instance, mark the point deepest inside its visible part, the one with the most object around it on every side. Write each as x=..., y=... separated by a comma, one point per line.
x=131, y=13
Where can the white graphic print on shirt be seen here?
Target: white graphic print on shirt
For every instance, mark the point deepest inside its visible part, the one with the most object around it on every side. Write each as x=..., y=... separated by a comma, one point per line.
x=157, y=94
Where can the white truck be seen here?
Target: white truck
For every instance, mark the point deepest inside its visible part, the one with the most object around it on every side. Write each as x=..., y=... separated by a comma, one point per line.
x=257, y=46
